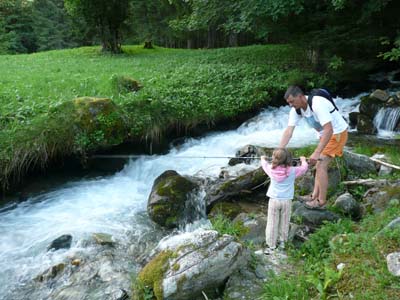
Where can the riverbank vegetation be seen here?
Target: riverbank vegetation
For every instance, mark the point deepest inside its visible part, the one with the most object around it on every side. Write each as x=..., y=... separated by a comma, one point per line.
x=343, y=260
x=176, y=90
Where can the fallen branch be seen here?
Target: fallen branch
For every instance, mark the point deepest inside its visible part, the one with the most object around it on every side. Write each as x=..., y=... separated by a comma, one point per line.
x=372, y=182
x=385, y=163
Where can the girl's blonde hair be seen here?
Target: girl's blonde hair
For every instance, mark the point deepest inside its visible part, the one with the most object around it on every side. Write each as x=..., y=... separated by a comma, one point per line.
x=281, y=157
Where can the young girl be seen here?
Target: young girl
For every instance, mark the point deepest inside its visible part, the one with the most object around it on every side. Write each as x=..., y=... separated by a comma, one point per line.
x=280, y=192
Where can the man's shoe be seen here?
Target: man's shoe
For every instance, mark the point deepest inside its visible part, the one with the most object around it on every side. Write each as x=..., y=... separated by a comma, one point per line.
x=316, y=204
x=305, y=198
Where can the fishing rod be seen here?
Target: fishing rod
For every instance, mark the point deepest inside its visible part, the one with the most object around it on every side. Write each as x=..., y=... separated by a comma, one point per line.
x=177, y=156
x=181, y=156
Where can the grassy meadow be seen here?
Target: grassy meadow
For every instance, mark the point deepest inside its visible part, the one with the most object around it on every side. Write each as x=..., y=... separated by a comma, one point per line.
x=180, y=89
x=343, y=260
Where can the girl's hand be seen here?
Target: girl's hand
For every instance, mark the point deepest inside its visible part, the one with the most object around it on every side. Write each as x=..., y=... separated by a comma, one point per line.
x=302, y=158
x=263, y=157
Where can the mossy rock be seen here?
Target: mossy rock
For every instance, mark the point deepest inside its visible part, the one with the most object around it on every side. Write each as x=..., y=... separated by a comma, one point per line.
x=228, y=209
x=168, y=198
x=124, y=84
x=365, y=124
x=370, y=106
x=151, y=276
x=96, y=122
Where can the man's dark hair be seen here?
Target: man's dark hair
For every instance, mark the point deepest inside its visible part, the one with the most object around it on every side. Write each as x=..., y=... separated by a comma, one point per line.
x=294, y=91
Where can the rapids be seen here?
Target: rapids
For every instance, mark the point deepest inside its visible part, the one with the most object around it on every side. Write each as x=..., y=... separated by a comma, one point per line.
x=116, y=204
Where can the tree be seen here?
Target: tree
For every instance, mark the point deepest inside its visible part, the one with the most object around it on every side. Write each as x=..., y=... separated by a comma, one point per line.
x=16, y=35
x=106, y=16
x=53, y=28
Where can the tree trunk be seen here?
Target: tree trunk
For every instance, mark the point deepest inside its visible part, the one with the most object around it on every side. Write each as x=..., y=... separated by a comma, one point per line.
x=233, y=40
x=189, y=43
x=211, y=37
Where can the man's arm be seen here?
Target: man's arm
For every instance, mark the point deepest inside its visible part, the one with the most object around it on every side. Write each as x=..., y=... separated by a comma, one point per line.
x=287, y=135
x=326, y=136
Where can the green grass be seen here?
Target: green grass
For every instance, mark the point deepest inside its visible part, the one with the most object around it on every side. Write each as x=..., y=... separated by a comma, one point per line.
x=390, y=151
x=361, y=247
x=180, y=89
x=224, y=225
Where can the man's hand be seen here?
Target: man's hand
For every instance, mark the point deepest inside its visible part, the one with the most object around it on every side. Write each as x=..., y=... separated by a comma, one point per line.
x=314, y=157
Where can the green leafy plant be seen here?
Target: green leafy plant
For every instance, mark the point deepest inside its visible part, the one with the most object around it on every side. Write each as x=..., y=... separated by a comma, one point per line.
x=224, y=225
x=286, y=287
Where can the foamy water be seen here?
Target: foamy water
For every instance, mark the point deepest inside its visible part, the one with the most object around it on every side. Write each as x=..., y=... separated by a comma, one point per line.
x=112, y=204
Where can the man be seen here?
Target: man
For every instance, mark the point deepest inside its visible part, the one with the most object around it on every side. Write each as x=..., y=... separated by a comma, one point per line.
x=332, y=128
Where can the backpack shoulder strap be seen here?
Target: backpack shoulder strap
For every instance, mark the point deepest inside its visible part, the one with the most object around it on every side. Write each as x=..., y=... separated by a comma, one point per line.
x=322, y=93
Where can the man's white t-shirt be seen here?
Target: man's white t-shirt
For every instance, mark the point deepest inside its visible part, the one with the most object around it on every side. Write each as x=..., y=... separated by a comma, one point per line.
x=319, y=116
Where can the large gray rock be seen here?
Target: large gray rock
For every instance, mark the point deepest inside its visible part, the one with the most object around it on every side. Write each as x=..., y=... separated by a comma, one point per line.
x=103, y=273
x=256, y=227
x=394, y=224
x=247, y=283
x=305, y=184
x=380, y=95
x=365, y=124
x=234, y=188
x=359, y=163
x=191, y=263
x=170, y=194
x=348, y=205
x=369, y=106
x=62, y=242
x=375, y=200
x=313, y=217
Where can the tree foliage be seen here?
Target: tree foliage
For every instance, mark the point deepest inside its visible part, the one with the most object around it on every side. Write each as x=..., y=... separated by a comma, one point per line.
x=106, y=16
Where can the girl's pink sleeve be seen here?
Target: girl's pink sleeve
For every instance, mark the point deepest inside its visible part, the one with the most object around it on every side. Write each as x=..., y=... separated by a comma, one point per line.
x=301, y=170
x=266, y=167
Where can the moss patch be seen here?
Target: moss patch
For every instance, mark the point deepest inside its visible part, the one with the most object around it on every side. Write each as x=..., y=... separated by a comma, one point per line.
x=152, y=274
x=228, y=209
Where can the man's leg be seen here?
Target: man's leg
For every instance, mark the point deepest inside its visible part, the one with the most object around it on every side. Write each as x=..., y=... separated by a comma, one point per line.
x=321, y=180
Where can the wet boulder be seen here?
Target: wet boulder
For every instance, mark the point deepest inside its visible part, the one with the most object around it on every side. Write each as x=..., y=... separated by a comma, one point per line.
x=62, y=242
x=189, y=264
x=169, y=200
x=245, y=184
x=370, y=105
x=365, y=124
x=249, y=153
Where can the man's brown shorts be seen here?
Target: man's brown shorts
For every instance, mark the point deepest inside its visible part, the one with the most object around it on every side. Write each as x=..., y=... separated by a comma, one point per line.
x=335, y=145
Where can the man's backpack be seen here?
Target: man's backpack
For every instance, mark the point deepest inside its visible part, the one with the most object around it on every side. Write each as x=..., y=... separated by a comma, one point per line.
x=319, y=92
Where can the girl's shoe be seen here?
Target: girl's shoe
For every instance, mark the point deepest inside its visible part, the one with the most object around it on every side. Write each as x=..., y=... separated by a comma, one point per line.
x=281, y=246
x=269, y=250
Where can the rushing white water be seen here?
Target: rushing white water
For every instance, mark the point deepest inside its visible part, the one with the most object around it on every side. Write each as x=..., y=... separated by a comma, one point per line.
x=113, y=204
x=386, y=120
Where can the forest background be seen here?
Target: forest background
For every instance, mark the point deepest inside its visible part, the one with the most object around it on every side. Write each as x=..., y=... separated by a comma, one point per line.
x=336, y=32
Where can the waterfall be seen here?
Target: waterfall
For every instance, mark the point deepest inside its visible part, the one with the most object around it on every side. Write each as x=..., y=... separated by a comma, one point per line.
x=387, y=119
